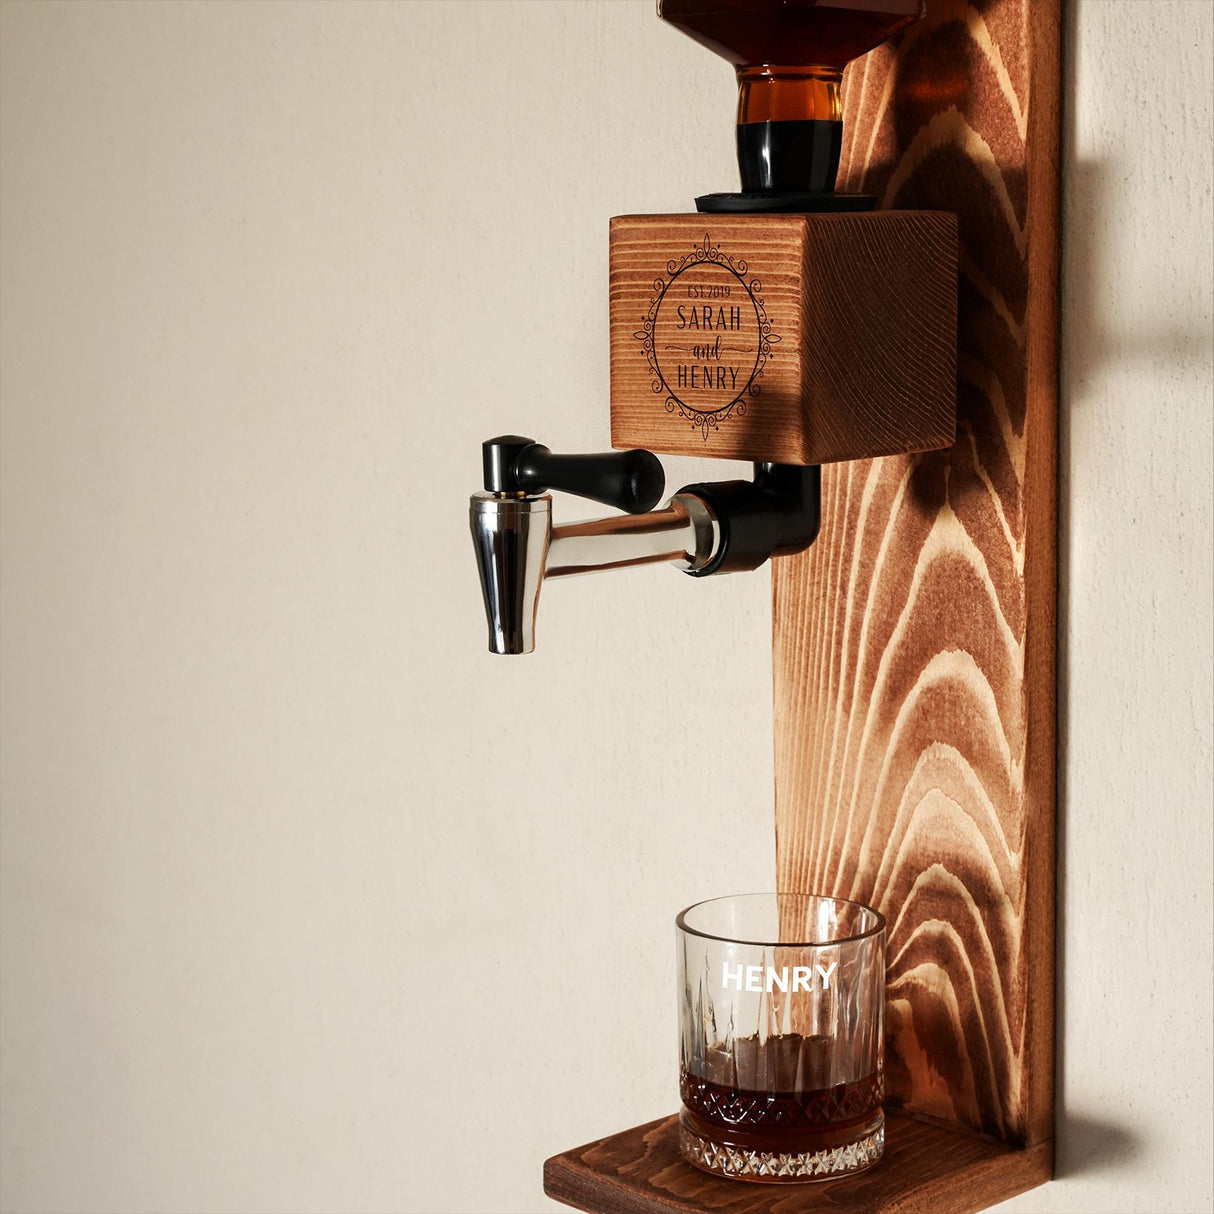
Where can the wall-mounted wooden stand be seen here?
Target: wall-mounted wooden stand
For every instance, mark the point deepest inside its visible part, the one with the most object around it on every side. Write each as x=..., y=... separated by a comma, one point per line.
x=914, y=663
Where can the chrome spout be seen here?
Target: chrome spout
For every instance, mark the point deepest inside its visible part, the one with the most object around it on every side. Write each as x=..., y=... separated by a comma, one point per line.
x=517, y=548
x=510, y=535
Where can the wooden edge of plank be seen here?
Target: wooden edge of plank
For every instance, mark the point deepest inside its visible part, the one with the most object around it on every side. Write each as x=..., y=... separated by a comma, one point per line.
x=933, y=1168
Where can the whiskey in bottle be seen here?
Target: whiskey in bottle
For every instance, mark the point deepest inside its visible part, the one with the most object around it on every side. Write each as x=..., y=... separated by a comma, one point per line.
x=789, y=56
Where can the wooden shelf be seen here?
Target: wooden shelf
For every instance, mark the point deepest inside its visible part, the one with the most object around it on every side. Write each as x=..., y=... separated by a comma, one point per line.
x=926, y=1167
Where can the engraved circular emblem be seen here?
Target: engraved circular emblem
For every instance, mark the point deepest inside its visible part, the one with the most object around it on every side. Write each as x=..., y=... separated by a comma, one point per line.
x=707, y=337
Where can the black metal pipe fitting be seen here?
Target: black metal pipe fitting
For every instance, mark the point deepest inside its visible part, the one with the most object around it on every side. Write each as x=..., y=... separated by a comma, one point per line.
x=776, y=514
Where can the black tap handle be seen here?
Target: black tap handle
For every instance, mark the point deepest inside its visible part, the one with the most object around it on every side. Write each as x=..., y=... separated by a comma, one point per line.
x=628, y=480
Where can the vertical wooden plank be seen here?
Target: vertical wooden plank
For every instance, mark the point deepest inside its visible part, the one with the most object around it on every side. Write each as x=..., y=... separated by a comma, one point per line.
x=914, y=643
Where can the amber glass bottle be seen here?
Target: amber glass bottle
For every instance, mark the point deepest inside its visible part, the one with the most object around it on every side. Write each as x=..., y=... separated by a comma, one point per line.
x=789, y=56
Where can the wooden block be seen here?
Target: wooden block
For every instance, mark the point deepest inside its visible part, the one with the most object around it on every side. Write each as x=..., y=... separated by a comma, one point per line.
x=796, y=339
x=914, y=642
x=926, y=1168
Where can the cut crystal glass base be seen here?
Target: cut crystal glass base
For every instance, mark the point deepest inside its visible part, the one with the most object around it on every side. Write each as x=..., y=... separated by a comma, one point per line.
x=743, y=1164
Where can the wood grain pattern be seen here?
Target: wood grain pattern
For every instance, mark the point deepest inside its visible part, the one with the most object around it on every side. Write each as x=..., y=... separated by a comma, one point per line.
x=831, y=336
x=926, y=1168
x=914, y=643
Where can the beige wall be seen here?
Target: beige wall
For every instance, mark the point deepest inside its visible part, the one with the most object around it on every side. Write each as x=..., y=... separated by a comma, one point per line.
x=309, y=904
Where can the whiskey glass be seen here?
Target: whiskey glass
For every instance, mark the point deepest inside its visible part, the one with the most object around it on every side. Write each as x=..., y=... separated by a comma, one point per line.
x=781, y=1018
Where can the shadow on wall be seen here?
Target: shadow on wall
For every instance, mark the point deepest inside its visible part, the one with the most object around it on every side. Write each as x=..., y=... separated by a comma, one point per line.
x=1089, y=190
x=1087, y=1144
x=1090, y=193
